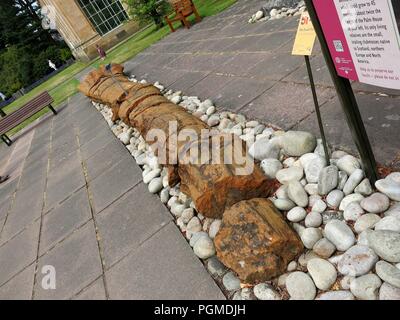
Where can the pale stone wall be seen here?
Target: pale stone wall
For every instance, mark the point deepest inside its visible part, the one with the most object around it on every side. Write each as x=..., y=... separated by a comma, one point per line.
x=79, y=33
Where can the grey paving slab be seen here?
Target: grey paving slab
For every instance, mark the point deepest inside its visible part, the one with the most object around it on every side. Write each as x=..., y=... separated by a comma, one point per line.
x=90, y=147
x=319, y=70
x=63, y=144
x=240, y=92
x=210, y=61
x=164, y=267
x=20, y=287
x=81, y=75
x=64, y=180
x=26, y=209
x=92, y=131
x=18, y=253
x=381, y=117
x=217, y=45
x=160, y=60
x=59, y=156
x=188, y=80
x=4, y=207
x=77, y=264
x=5, y=152
x=272, y=41
x=38, y=152
x=106, y=157
x=141, y=71
x=168, y=76
x=151, y=75
x=15, y=164
x=242, y=44
x=8, y=189
x=183, y=62
x=64, y=219
x=95, y=291
x=284, y=110
x=241, y=63
x=33, y=173
x=128, y=222
x=276, y=66
x=61, y=186
x=228, y=31
x=209, y=86
x=114, y=182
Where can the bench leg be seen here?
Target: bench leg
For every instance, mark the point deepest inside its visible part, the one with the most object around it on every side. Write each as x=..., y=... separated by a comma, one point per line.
x=2, y=113
x=196, y=13
x=170, y=24
x=186, y=23
x=6, y=139
x=52, y=109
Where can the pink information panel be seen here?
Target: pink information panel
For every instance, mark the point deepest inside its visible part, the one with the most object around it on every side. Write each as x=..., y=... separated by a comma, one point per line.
x=363, y=39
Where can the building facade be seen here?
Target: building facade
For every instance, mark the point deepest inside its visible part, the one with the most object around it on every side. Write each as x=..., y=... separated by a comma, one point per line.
x=86, y=23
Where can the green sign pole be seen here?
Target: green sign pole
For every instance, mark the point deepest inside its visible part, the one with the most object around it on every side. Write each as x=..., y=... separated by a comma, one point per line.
x=348, y=102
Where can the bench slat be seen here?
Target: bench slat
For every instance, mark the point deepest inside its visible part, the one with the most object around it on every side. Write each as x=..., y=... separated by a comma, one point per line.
x=27, y=110
x=20, y=112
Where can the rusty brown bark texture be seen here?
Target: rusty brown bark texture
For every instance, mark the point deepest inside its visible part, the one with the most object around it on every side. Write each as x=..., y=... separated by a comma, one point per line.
x=217, y=188
x=255, y=241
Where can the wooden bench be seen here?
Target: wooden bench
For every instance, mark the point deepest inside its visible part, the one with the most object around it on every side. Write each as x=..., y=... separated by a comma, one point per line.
x=11, y=120
x=183, y=9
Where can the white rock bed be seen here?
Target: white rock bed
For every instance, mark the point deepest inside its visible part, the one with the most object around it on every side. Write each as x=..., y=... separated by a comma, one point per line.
x=351, y=233
x=278, y=13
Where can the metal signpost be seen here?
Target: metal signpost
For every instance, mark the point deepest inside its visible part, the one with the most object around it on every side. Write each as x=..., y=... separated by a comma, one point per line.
x=343, y=86
x=303, y=45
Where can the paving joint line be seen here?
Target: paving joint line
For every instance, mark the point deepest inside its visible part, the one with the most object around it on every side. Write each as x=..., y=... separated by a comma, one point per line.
x=93, y=214
x=43, y=207
x=13, y=199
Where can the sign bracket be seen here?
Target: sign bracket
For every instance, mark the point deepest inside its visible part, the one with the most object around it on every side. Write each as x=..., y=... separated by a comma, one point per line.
x=317, y=110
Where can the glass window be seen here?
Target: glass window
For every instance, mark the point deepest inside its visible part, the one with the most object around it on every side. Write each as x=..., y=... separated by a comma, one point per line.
x=105, y=15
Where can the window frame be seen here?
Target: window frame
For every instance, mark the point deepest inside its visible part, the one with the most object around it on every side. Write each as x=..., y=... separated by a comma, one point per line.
x=103, y=10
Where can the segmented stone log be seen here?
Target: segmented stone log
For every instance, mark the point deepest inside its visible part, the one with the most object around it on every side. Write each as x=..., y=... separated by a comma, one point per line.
x=213, y=184
x=255, y=241
x=227, y=176
x=107, y=87
x=145, y=96
x=165, y=123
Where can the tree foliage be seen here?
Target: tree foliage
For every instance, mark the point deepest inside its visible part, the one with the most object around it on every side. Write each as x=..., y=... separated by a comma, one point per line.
x=25, y=46
x=148, y=10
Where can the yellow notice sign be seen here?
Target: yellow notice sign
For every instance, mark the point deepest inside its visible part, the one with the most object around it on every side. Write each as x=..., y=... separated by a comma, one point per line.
x=305, y=37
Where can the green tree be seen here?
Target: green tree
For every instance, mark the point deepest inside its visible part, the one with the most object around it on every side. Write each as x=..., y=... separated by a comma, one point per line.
x=21, y=25
x=15, y=70
x=25, y=46
x=148, y=10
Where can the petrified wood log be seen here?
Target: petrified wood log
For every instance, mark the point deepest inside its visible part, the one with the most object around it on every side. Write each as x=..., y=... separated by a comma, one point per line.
x=255, y=241
x=213, y=184
x=165, y=122
x=146, y=96
x=227, y=176
x=102, y=86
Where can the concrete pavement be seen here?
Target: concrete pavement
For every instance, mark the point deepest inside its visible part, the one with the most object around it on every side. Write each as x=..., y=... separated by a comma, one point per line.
x=76, y=202
x=249, y=68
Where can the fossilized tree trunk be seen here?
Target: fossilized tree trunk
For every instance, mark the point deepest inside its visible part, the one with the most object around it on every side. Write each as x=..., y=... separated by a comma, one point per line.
x=255, y=241
x=214, y=170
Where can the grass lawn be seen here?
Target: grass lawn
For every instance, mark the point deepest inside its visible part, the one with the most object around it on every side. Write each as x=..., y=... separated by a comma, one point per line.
x=63, y=85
